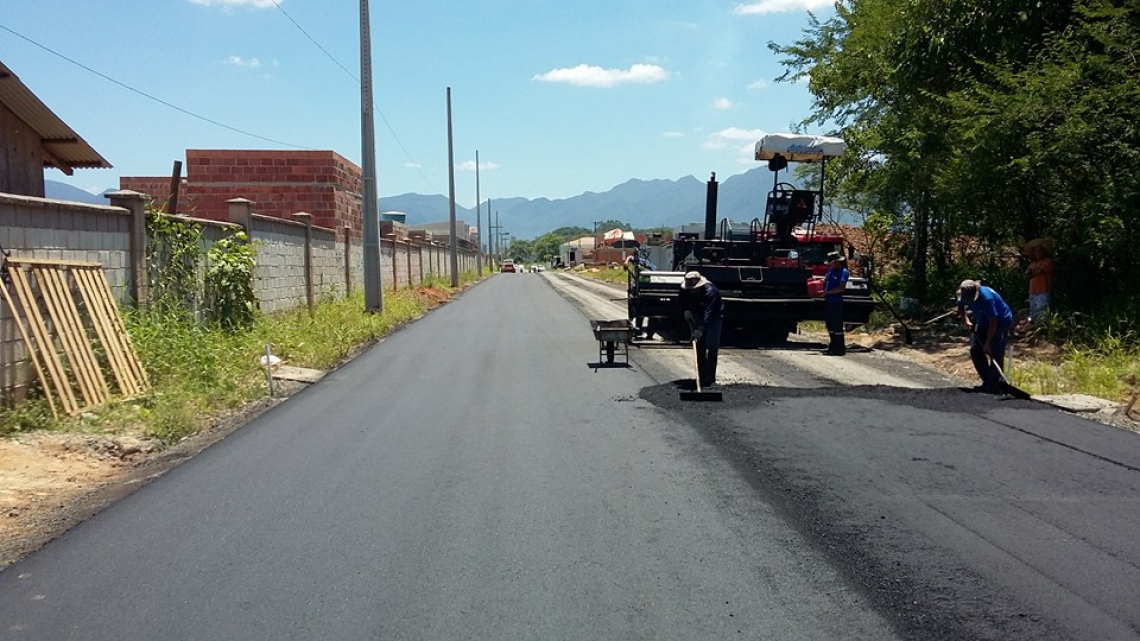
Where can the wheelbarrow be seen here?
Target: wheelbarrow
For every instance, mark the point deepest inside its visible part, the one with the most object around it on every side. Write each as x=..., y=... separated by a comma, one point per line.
x=613, y=338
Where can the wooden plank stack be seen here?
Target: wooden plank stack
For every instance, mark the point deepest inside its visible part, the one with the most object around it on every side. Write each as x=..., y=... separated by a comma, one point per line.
x=74, y=332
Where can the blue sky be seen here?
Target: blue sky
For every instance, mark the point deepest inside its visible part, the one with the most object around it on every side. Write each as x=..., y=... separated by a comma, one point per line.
x=559, y=98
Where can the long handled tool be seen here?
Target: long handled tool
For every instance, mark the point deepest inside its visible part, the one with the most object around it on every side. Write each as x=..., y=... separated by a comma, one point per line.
x=907, y=337
x=699, y=395
x=1008, y=386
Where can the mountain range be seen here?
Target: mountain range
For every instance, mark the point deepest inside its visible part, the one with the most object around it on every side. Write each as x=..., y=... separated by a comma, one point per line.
x=643, y=204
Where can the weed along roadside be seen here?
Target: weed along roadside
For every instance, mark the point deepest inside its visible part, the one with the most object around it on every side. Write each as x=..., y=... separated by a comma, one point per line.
x=207, y=381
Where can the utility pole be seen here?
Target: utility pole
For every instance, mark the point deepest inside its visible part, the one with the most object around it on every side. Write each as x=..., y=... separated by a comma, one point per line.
x=596, y=243
x=373, y=288
x=478, y=222
x=451, y=192
x=492, y=236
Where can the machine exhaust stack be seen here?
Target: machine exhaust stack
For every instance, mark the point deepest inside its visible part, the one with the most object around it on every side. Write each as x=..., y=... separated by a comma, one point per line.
x=710, y=209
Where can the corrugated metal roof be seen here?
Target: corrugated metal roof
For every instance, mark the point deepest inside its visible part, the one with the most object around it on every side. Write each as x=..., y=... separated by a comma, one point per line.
x=63, y=148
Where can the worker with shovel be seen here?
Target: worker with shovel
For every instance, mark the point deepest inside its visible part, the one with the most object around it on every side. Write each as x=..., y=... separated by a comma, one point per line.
x=704, y=311
x=990, y=323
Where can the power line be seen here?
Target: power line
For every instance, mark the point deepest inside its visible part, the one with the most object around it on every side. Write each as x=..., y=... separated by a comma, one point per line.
x=387, y=124
x=312, y=40
x=148, y=96
x=216, y=123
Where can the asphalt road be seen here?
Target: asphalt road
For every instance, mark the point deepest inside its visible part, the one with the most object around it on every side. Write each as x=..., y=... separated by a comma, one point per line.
x=475, y=476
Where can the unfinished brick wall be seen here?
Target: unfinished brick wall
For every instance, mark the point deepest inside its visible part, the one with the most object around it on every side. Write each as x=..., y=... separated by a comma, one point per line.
x=158, y=190
x=281, y=183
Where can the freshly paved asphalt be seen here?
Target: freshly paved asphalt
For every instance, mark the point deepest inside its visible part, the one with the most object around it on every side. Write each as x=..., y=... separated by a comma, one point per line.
x=473, y=477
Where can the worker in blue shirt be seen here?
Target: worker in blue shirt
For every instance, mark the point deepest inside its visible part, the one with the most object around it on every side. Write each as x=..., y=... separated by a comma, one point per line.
x=990, y=319
x=834, y=285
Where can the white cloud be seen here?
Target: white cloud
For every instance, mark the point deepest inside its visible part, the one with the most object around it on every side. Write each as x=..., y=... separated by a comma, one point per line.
x=413, y=165
x=230, y=4
x=593, y=76
x=731, y=136
x=469, y=165
x=674, y=134
x=759, y=84
x=780, y=6
x=722, y=103
x=238, y=61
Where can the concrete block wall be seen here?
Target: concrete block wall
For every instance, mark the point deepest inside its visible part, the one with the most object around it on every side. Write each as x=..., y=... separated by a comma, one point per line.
x=387, y=263
x=356, y=264
x=57, y=230
x=60, y=230
x=279, y=281
x=328, y=264
x=416, y=264
x=42, y=228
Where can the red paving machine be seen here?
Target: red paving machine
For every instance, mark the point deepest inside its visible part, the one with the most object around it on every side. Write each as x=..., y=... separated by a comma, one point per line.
x=768, y=271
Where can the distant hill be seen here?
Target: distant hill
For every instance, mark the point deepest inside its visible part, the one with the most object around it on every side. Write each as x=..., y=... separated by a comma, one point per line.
x=641, y=203
x=64, y=191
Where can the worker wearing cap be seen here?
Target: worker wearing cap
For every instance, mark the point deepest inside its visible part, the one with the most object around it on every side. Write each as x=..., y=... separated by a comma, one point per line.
x=704, y=310
x=990, y=319
x=834, y=285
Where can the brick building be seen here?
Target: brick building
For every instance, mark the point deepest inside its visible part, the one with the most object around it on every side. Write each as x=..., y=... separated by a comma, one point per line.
x=281, y=183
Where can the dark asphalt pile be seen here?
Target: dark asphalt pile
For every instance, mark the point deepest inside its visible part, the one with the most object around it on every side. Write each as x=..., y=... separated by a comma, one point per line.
x=833, y=461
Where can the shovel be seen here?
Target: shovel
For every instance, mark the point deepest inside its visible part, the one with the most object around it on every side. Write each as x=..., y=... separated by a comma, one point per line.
x=1008, y=387
x=907, y=337
x=699, y=395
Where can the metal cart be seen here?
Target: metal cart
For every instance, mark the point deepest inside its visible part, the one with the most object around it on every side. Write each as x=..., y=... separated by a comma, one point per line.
x=613, y=338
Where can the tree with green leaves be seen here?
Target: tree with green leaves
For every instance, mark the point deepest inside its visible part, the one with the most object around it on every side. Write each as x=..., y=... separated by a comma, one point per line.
x=973, y=126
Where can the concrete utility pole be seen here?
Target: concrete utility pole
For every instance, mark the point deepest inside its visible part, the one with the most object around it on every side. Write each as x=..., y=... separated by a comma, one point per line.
x=478, y=222
x=373, y=288
x=490, y=237
x=451, y=192
x=597, y=244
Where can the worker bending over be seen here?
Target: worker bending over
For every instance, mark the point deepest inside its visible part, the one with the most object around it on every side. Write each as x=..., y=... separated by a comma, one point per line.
x=704, y=311
x=990, y=319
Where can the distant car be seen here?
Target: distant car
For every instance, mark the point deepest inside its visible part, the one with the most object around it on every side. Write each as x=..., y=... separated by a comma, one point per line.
x=539, y=268
x=508, y=266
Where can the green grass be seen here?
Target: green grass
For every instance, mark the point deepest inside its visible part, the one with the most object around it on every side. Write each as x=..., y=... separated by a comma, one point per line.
x=609, y=275
x=1102, y=370
x=200, y=372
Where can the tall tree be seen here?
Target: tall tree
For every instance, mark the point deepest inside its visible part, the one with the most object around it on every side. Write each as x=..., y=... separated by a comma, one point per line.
x=1063, y=140
x=880, y=70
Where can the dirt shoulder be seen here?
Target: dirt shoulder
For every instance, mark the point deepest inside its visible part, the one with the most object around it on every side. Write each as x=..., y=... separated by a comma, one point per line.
x=49, y=481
